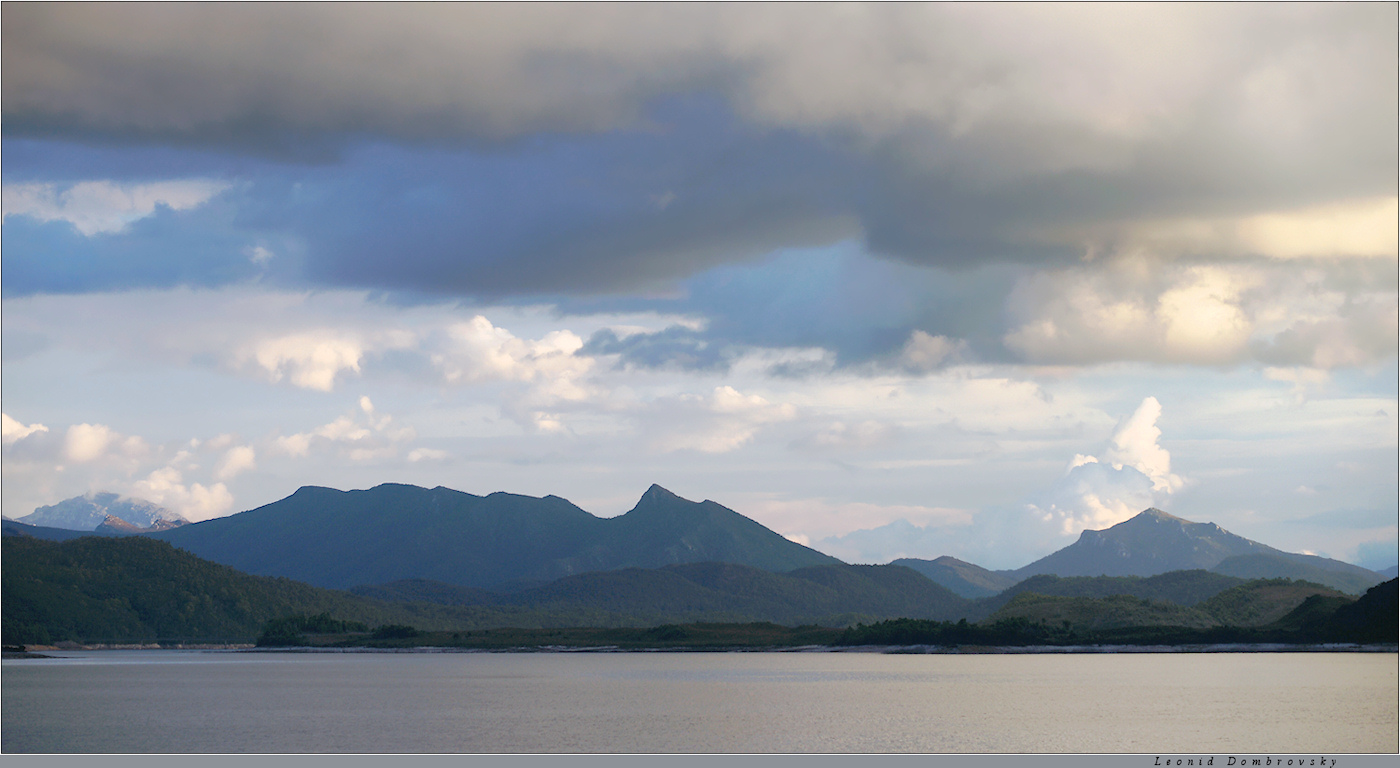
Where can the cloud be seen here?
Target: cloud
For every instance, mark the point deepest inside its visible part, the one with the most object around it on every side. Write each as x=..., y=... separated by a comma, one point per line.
x=1204, y=315
x=823, y=519
x=1081, y=317
x=1377, y=554
x=310, y=360
x=1358, y=332
x=195, y=501
x=926, y=353
x=1094, y=495
x=89, y=457
x=1135, y=444
x=358, y=438
x=105, y=207
x=1113, y=74
x=888, y=542
x=502, y=150
x=844, y=435
x=552, y=370
x=1303, y=380
x=427, y=454
x=260, y=255
x=1134, y=475
x=1346, y=229
x=237, y=460
x=679, y=347
x=14, y=431
x=719, y=423
x=86, y=442
x=477, y=351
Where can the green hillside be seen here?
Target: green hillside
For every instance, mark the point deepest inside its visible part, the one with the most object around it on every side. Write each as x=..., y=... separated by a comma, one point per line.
x=1177, y=587
x=830, y=595
x=1097, y=613
x=1346, y=577
x=1256, y=603
x=1029, y=619
x=97, y=588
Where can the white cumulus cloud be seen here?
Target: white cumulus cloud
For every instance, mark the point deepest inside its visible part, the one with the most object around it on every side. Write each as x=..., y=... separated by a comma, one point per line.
x=86, y=442
x=166, y=487
x=311, y=360
x=477, y=351
x=1134, y=475
x=105, y=207
x=237, y=460
x=12, y=431
x=1135, y=445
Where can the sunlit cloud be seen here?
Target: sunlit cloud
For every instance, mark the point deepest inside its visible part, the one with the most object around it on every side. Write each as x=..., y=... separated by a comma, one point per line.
x=1134, y=474
x=14, y=431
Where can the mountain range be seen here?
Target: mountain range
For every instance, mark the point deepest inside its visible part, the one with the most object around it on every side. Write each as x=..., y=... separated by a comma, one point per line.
x=341, y=539
x=445, y=560
x=510, y=543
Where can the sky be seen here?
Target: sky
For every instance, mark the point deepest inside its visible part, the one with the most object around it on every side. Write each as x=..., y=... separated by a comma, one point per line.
x=892, y=280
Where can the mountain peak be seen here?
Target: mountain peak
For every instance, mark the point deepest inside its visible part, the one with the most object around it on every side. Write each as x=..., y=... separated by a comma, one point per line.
x=657, y=493
x=1147, y=544
x=1153, y=513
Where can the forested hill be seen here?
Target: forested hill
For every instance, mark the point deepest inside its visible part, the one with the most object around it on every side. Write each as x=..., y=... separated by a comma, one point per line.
x=96, y=589
x=830, y=595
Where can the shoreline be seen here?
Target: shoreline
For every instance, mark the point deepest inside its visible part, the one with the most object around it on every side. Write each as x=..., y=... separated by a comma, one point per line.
x=33, y=652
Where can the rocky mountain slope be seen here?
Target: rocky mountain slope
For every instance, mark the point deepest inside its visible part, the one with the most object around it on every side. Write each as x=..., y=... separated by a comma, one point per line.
x=87, y=512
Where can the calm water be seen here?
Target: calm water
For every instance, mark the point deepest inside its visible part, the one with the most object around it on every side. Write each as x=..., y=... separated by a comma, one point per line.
x=192, y=701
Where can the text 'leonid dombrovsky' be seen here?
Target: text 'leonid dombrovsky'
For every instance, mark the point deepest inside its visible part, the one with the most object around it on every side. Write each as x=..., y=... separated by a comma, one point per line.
x=1247, y=762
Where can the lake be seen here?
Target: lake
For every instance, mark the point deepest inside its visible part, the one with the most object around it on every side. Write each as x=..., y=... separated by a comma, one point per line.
x=227, y=702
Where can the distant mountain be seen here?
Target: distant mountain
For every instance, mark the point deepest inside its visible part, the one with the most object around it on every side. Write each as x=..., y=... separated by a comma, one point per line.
x=963, y=578
x=87, y=512
x=341, y=539
x=1389, y=573
x=1150, y=543
x=1155, y=542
